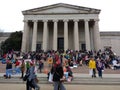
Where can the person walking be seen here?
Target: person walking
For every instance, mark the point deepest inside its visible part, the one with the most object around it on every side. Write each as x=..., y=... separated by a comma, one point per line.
x=92, y=67
x=100, y=67
x=31, y=80
x=58, y=78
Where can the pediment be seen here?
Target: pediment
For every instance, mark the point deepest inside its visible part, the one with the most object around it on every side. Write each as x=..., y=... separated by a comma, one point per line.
x=61, y=9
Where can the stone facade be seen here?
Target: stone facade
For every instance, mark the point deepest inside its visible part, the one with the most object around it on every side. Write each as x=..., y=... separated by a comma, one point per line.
x=111, y=39
x=61, y=26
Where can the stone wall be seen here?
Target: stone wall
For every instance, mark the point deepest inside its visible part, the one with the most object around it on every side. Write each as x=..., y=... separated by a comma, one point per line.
x=111, y=39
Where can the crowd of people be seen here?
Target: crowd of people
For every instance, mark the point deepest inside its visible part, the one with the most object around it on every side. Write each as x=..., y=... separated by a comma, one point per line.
x=61, y=63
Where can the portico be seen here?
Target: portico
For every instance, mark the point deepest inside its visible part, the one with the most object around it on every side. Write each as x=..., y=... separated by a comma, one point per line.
x=61, y=26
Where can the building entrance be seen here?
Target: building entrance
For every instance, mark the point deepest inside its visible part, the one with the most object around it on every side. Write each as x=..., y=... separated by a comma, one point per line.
x=83, y=47
x=38, y=47
x=60, y=43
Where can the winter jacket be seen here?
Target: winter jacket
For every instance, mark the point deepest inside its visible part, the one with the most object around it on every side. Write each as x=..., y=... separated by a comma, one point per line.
x=92, y=64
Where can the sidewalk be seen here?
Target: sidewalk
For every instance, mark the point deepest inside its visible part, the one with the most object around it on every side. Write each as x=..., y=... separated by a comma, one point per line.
x=68, y=87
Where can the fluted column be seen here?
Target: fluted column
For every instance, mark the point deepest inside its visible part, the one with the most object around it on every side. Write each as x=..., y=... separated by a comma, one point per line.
x=45, y=35
x=87, y=35
x=55, y=35
x=27, y=39
x=76, y=35
x=34, y=38
x=65, y=34
x=97, y=41
x=24, y=37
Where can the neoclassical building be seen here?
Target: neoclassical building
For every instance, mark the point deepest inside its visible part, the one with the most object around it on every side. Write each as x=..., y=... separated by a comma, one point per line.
x=61, y=26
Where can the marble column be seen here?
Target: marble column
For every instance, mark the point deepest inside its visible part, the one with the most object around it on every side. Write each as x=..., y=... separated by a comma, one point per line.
x=97, y=41
x=45, y=35
x=55, y=35
x=34, y=38
x=87, y=35
x=65, y=34
x=27, y=39
x=24, y=37
x=76, y=35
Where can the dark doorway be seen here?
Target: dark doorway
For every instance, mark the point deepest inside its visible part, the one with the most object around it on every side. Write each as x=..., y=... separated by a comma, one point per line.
x=60, y=43
x=38, y=47
x=83, y=46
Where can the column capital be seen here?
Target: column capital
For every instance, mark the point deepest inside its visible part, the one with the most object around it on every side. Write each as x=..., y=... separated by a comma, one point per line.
x=76, y=20
x=35, y=20
x=25, y=20
x=65, y=20
x=45, y=20
x=55, y=20
x=96, y=20
x=86, y=20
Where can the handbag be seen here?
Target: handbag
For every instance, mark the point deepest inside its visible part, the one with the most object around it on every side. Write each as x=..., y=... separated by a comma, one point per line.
x=50, y=77
x=90, y=71
x=36, y=80
x=63, y=79
x=25, y=77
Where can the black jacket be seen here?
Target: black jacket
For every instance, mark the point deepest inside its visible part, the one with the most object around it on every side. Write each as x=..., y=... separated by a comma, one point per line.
x=9, y=66
x=58, y=73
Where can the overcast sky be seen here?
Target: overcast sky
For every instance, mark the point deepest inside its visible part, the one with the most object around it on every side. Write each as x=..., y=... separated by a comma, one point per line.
x=11, y=18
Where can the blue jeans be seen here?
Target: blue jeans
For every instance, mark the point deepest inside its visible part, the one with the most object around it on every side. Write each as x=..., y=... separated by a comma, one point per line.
x=59, y=86
x=17, y=70
x=100, y=73
x=32, y=84
x=8, y=72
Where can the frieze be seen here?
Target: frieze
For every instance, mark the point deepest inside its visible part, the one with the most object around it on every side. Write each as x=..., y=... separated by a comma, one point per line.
x=61, y=17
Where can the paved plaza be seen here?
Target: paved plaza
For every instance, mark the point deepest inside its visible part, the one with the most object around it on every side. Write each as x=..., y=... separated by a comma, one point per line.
x=68, y=87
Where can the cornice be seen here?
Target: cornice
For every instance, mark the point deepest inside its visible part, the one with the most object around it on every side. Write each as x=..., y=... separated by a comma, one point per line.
x=110, y=33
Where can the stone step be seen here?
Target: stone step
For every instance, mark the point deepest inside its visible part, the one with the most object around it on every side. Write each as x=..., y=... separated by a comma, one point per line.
x=81, y=81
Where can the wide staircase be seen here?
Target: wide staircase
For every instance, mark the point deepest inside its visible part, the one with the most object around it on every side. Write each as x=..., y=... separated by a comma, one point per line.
x=76, y=80
x=110, y=77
